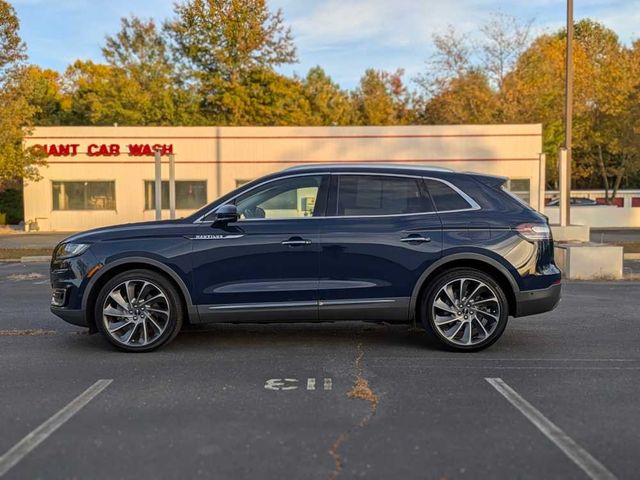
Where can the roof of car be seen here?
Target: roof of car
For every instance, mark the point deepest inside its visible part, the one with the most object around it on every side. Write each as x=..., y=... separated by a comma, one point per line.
x=369, y=167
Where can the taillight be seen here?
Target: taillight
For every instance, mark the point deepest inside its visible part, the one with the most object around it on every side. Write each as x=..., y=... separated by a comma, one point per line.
x=534, y=231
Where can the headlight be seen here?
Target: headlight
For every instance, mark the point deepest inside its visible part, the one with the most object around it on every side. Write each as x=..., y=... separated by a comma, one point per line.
x=68, y=250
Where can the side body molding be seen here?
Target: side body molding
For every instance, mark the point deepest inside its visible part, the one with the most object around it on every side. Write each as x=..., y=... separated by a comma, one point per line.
x=452, y=258
x=191, y=309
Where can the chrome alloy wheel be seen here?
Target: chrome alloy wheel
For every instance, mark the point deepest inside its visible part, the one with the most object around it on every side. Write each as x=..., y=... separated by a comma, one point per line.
x=136, y=313
x=466, y=311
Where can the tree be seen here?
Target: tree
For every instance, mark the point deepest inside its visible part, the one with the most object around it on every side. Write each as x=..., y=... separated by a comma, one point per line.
x=218, y=42
x=381, y=99
x=451, y=59
x=328, y=104
x=504, y=40
x=466, y=99
x=139, y=49
x=261, y=97
x=228, y=37
x=605, y=76
x=47, y=97
x=139, y=56
x=16, y=112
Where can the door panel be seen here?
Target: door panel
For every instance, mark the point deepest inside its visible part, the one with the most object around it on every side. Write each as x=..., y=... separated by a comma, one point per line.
x=369, y=264
x=263, y=267
x=244, y=272
x=367, y=271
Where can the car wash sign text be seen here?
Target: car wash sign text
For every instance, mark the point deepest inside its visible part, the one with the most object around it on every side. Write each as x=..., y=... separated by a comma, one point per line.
x=103, y=150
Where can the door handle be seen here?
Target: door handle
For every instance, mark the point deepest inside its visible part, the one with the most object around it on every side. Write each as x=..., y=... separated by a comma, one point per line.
x=296, y=242
x=415, y=238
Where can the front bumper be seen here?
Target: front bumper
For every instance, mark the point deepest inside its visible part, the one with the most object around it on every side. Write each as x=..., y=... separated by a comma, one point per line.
x=531, y=302
x=72, y=316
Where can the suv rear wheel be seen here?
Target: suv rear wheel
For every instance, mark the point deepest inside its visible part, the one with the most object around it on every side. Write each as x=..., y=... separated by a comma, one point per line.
x=465, y=310
x=138, y=311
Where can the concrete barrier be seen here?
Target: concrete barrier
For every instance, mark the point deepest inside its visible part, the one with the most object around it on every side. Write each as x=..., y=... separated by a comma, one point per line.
x=589, y=261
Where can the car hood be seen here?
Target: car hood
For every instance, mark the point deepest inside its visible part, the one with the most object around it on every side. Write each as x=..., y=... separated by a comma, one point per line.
x=128, y=230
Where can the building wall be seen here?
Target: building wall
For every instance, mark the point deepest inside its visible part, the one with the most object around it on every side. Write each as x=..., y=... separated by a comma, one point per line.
x=228, y=156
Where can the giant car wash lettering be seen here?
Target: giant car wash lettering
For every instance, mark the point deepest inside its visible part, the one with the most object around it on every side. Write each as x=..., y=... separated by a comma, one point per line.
x=104, y=149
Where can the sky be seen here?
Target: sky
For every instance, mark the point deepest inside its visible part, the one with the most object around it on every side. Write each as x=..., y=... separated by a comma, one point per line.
x=345, y=37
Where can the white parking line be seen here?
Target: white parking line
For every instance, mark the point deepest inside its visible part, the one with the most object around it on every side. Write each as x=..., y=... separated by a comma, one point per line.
x=311, y=383
x=592, y=467
x=327, y=384
x=37, y=436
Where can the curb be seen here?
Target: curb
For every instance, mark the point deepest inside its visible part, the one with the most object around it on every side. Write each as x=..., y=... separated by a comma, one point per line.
x=35, y=258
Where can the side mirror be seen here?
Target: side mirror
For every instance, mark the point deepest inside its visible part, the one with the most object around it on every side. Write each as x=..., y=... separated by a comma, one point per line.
x=226, y=214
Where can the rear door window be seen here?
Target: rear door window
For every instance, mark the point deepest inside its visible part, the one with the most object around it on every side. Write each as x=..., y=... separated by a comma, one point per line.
x=444, y=197
x=365, y=195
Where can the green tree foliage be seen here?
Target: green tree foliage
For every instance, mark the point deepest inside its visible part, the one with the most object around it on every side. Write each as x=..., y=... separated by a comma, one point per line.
x=137, y=86
x=381, y=99
x=328, y=104
x=465, y=99
x=225, y=38
x=606, y=74
x=47, y=97
x=15, y=110
x=228, y=49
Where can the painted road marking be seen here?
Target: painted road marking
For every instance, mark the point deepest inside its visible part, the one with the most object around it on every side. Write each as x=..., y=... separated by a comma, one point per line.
x=292, y=384
x=592, y=467
x=281, y=384
x=40, y=434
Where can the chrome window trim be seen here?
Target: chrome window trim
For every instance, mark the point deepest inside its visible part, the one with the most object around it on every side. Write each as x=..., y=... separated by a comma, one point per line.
x=473, y=205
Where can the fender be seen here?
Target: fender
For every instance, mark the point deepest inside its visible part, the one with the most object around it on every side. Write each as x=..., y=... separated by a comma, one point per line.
x=192, y=311
x=451, y=258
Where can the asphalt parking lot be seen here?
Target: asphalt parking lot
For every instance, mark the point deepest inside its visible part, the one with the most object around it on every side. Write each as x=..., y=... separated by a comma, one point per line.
x=278, y=401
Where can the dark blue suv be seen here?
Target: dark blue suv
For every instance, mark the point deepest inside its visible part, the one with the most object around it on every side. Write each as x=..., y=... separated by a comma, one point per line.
x=452, y=251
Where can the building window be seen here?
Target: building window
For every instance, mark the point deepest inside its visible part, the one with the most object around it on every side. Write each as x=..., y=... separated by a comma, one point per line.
x=190, y=194
x=521, y=188
x=84, y=195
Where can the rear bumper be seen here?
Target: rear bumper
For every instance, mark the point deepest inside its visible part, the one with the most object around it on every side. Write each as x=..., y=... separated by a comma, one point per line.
x=74, y=317
x=531, y=302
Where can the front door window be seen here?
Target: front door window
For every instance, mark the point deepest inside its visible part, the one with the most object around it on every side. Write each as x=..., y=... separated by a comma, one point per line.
x=294, y=197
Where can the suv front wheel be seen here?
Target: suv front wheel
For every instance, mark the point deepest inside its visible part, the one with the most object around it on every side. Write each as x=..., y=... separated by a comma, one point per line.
x=464, y=310
x=138, y=311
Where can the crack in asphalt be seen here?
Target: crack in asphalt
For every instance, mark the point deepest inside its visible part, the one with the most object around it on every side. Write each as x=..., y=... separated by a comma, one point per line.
x=359, y=391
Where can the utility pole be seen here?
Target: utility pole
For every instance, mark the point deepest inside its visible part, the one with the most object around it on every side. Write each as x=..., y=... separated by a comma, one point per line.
x=158, y=184
x=568, y=113
x=172, y=186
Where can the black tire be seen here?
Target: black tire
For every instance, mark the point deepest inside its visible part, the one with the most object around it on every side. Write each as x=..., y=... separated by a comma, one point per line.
x=171, y=301
x=427, y=310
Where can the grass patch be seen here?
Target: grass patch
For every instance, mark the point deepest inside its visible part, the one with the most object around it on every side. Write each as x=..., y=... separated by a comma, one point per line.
x=7, y=253
x=632, y=247
x=31, y=332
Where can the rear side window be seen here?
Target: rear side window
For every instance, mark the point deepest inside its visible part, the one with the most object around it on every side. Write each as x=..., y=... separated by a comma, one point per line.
x=360, y=195
x=444, y=197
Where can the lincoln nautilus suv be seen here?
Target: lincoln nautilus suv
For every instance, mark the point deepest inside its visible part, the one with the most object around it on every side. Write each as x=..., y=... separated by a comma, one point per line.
x=453, y=252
